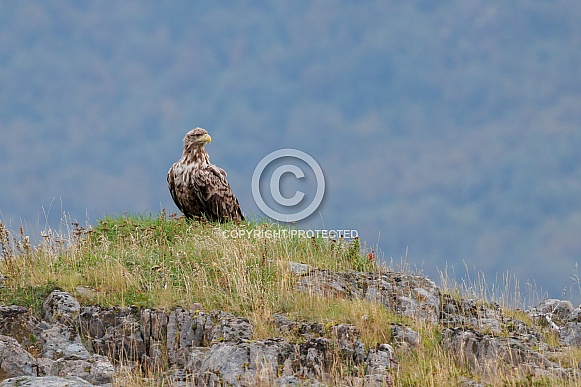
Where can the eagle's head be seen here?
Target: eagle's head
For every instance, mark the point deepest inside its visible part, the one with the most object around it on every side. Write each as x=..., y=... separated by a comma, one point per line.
x=196, y=138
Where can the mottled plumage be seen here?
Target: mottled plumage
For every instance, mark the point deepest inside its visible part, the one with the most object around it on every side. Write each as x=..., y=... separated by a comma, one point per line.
x=198, y=188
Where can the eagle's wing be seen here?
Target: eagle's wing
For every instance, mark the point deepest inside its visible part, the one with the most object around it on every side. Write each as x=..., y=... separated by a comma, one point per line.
x=215, y=195
x=171, y=184
x=179, y=184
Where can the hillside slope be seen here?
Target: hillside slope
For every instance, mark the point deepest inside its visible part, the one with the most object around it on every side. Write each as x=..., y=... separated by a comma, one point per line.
x=252, y=303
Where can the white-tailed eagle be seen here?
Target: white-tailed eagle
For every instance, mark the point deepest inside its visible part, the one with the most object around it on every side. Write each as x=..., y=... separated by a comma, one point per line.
x=198, y=188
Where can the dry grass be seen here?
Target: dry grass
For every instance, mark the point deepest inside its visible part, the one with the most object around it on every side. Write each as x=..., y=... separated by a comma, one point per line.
x=160, y=262
x=163, y=262
x=506, y=289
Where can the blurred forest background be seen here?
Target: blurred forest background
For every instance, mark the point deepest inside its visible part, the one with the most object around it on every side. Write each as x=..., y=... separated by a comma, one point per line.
x=449, y=132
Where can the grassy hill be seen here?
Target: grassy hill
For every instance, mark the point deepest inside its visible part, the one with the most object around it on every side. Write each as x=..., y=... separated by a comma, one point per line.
x=163, y=262
x=449, y=129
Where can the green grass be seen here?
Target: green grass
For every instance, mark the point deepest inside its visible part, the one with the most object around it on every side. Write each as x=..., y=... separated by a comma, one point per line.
x=29, y=296
x=164, y=262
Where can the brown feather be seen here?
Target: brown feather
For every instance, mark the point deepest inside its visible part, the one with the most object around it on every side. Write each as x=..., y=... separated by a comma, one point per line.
x=198, y=188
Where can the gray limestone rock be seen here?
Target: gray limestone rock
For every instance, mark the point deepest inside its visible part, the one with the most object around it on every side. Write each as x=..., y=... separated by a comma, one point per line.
x=187, y=330
x=412, y=296
x=575, y=315
x=404, y=336
x=488, y=354
x=61, y=307
x=380, y=360
x=115, y=332
x=351, y=347
x=242, y=364
x=14, y=360
x=45, y=381
x=60, y=341
x=314, y=358
x=20, y=324
x=300, y=268
x=570, y=334
x=102, y=370
x=472, y=313
x=293, y=381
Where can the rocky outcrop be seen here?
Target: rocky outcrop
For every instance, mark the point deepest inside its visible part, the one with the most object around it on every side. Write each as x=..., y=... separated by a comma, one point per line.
x=488, y=355
x=77, y=345
x=59, y=352
x=14, y=360
x=18, y=323
x=74, y=345
x=45, y=381
x=411, y=296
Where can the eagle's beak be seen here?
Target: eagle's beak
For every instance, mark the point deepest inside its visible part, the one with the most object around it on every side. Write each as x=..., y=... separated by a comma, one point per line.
x=207, y=138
